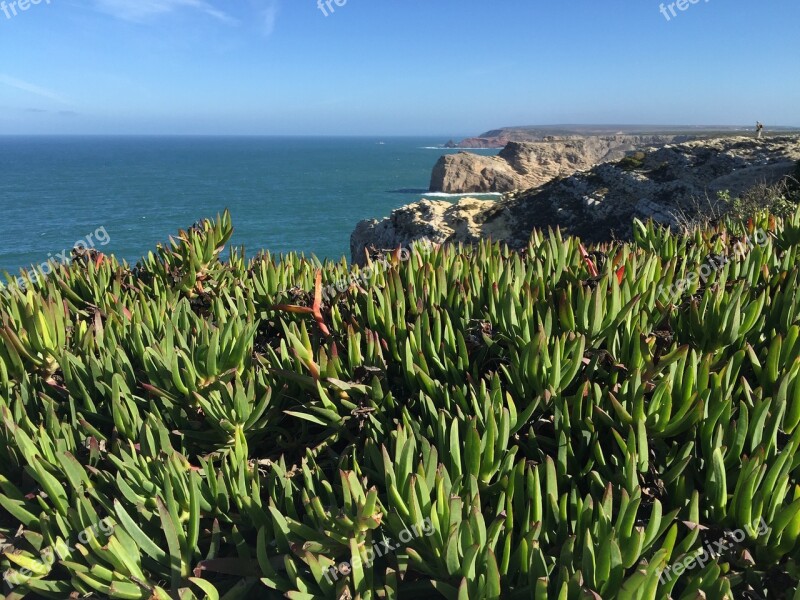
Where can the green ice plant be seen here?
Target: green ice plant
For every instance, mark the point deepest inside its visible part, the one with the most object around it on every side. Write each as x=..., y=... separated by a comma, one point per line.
x=561, y=429
x=34, y=331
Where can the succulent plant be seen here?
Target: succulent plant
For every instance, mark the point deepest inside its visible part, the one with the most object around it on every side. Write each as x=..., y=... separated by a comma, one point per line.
x=474, y=422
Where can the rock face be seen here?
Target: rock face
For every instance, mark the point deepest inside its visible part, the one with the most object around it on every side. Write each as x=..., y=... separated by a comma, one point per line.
x=596, y=205
x=466, y=173
x=524, y=165
x=438, y=221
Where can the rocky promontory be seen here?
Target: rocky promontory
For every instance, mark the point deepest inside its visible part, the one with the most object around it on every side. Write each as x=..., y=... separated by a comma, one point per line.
x=598, y=204
x=525, y=165
x=499, y=138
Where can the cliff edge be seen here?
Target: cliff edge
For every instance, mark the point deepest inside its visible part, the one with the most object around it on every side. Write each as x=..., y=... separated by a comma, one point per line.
x=524, y=165
x=598, y=204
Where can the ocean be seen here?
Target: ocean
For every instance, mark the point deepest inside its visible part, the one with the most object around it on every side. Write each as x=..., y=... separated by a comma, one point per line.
x=298, y=194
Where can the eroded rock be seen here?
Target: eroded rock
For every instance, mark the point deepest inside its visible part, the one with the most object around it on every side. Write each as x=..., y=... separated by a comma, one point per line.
x=525, y=165
x=598, y=204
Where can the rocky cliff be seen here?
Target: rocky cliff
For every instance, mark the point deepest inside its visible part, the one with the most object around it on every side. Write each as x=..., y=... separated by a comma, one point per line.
x=597, y=204
x=524, y=165
x=499, y=138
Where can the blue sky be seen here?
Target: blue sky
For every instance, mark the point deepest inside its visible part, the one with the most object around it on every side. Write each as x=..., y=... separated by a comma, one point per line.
x=383, y=67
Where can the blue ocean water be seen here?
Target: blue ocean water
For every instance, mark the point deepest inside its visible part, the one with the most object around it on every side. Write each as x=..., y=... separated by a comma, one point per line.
x=285, y=194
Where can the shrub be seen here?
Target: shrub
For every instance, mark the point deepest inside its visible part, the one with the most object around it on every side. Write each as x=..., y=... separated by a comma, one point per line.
x=780, y=199
x=632, y=162
x=467, y=423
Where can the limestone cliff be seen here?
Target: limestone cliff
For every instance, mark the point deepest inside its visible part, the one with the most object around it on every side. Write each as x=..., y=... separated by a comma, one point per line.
x=597, y=204
x=499, y=138
x=524, y=165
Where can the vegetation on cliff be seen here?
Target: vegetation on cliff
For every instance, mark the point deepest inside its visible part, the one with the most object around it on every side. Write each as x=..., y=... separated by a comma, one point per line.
x=467, y=423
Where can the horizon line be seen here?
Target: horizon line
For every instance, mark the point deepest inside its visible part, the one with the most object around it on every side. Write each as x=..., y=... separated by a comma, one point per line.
x=699, y=128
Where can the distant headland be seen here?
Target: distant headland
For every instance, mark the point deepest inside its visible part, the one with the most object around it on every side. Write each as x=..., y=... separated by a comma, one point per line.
x=499, y=138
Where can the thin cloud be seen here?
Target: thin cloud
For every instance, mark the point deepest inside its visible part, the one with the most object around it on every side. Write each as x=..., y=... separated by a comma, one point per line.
x=269, y=15
x=60, y=113
x=141, y=10
x=31, y=88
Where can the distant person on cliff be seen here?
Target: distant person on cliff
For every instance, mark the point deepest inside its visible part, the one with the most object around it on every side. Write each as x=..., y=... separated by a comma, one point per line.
x=759, y=130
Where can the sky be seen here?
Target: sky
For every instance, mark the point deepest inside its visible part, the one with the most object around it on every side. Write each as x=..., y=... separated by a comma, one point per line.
x=392, y=67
